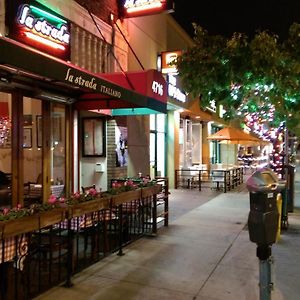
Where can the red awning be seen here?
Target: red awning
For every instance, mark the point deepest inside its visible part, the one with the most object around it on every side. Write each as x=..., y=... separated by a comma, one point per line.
x=89, y=90
x=149, y=83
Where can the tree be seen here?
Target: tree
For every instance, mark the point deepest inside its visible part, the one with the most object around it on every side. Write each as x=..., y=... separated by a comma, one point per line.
x=260, y=76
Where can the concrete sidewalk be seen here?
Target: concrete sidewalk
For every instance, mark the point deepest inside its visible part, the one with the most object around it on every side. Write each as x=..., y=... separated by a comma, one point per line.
x=205, y=253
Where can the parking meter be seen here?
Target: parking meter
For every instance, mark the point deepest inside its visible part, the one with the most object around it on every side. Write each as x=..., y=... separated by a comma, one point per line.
x=263, y=219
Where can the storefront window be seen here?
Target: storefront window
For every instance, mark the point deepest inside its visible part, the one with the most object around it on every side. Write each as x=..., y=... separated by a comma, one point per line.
x=185, y=143
x=157, y=145
x=5, y=149
x=32, y=135
x=215, y=148
x=58, y=159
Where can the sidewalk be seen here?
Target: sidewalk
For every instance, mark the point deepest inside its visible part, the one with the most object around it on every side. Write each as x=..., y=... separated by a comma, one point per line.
x=204, y=254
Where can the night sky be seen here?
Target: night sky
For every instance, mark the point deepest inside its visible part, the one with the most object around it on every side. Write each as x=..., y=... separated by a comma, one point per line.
x=225, y=17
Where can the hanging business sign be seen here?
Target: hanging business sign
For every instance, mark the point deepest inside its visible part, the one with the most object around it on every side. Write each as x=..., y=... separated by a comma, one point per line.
x=138, y=8
x=173, y=90
x=168, y=61
x=37, y=26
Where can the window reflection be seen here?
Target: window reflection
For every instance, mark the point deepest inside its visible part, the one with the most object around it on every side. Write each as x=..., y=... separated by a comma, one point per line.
x=58, y=144
x=5, y=149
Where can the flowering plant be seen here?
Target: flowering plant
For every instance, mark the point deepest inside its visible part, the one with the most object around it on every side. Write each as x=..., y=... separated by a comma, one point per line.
x=118, y=187
x=129, y=184
x=78, y=197
x=19, y=211
x=53, y=202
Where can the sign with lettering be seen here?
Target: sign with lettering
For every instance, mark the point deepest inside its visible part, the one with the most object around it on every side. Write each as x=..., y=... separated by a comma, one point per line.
x=91, y=83
x=157, y=88
x=168, y=61
x=37, y=26
x=173, y=90
x=137, y=8
x=212, y=106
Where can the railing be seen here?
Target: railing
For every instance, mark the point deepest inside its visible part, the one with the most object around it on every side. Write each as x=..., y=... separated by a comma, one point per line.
x=192, y=178
x=40, y=251
x=223, y=178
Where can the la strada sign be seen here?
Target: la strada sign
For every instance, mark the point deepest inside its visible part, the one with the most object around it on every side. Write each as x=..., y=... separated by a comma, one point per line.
x=138, y=8
x=37, y=26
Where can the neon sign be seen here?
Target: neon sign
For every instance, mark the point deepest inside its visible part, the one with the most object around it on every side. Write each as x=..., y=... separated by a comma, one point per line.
x=134, y=8
x=41, y=28
x=138, y=5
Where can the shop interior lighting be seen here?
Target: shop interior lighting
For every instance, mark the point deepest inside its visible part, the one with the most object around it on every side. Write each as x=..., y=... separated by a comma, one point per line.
x=47, y=15
x=49, y=96
x=44, y=41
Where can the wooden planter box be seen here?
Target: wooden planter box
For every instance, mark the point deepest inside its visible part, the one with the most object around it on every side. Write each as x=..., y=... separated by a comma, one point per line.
x=88, y=207
x=52, y=217
x=149, y=191
x=21, y=225
x=126, y=197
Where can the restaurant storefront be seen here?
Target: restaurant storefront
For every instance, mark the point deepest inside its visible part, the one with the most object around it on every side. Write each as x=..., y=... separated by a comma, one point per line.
x=57, y=118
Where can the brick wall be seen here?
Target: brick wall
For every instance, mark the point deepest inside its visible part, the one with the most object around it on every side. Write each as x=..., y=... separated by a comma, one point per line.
x=101, y=8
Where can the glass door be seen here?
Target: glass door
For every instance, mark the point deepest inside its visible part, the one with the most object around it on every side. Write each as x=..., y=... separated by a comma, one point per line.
x=157, y=145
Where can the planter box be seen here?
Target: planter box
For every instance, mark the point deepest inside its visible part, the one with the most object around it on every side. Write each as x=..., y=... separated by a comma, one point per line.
x=126, y=197
x=52, y=217
x=21, y=225
x=149, y=191
x=88, y=207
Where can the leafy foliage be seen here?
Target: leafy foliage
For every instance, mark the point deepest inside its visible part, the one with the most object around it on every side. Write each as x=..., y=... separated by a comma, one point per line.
x=245, y=74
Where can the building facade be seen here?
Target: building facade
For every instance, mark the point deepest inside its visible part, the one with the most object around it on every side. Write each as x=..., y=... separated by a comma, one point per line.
x=58, y=129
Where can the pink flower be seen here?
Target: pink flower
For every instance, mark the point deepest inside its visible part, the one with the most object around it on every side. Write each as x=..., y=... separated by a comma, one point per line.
x=76, y=195
x=92, y=192
x=114, y=184
x=145, y=181
x=5, y=211
x=62, y=199
x=19, y=206
x=130, y=182
x=52, y=199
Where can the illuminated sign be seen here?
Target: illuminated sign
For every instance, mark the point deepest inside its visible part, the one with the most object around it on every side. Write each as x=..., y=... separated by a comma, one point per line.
x=212, y=106
x=167, y=61
x=41, y=28
x=174, y=91
x=43, y=31
x=136, y=8
x=157, y=88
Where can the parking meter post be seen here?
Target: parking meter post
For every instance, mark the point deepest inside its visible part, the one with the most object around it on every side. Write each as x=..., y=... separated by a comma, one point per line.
x=284, y=217
x=264, y=252
x=265, y=264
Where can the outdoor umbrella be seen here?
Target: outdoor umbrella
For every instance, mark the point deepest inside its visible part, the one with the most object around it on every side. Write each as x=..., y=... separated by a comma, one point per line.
x=231, y=135
x=234, y=136
x=245, y=143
